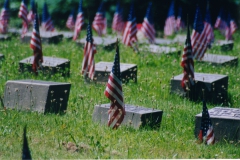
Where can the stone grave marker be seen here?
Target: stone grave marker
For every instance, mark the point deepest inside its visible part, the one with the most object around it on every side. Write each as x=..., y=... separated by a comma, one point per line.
x=51, y=65
x=159, y=49
x=225, y=45
x=225, y=121
x=35, y=95
x=14, y=31
x=215, y=87
x=163, y=41
x=4, y=37
x=46, y=37
x=220, y=59
x=103, y=69
x=180, y=39
x=67, y=35
x=136, y=116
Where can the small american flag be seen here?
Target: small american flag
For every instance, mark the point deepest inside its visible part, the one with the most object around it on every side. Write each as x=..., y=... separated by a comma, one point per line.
x=30, y=15
x=79, y=22
x=47, y=23
x=180, y=25
x=231, y=28
x=118, y=23
x=4, y=17
x=23, y=12
x=187, y=64
x=170, y=23
x=36, y=45
x=100, y=22
x=88, y=64
x=208, y=26
x=26, y=153
x=206, y=134
x=147, y=25
x=199, y=36
x=70, y=21
x=221, y=22
x=114, y=93
x=130, y=31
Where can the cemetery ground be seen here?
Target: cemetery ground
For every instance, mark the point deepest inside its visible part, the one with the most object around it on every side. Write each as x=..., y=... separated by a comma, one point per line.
x=73, y=134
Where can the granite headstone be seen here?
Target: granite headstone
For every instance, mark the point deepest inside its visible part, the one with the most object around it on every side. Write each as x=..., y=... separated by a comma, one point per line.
x=159, y=49
x=215, y=59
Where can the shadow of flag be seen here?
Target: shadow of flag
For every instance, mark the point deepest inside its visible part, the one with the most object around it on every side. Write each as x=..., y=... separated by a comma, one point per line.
x=26, y=154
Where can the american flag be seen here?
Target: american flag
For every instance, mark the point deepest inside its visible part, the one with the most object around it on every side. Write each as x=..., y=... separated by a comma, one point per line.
x=30, y=15
x=23, y=12
x=88, y=64
x=179, y=22
x=170, y=23
x=100, y=22
x=70, y=21
x=221, y=22
x=47, y=23
x=26, y=153
x=231, y=28
x=199, y=36
x=4, y=17
x=233, y=25
x=187, y=64
x=130, y=31
x=114, y=93
x=79, y=22
x=206, y=134
x=208, y=26
x=36, y=44
x=147, y=25
x=118, y=23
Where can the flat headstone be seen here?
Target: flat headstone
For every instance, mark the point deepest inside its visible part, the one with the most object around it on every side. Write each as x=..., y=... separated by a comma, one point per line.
x=50, y=65
x=4, y=37
x=225, y=121
x=67, y=35
x=180, y=38
x=163, y=41
x=225, y=45
x=136, y=116
x=103, y=69
x=14, y=31
x=46, y=37
x=215, y=87
x=35, y=95
x=220, y=59
x=159, y=49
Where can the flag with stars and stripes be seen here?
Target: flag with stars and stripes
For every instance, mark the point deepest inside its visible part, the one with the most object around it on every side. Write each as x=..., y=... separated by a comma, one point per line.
x=4, y=17
x=130, y=31
x=70, y=21
x=187, y=64
x=36, y=45
x=118, y=23
x=180, y=25
x=88, y=64
x=23, y=12
x=206, y=134
x=30, y=15
x=114, y=93
x=231, y=28
x=79, y=21
x=221, y=22
x=199, y=36
x=26, y=153
x=147, y=26
x=208, y=26
x=47, y=23
x=170, y=23
x=100, y=22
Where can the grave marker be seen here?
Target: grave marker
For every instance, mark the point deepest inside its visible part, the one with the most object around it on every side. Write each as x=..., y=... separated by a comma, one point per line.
x=15, y=31
x=67, y=35
x=220, y=59
x=159, y=49
x=46, y=37
x=35, y=95
x=225, y=121
x=136, y=116
x=4, y=37
x=180, y=39
x=225, y=45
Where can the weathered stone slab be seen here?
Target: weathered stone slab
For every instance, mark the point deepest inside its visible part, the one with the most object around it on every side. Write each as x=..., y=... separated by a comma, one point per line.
x=50, y=65
x=35, y=95
x=103, y=69
x=225, y=45
x=14, y=31
x=4, y=37
x=159, y=49
x=46, y=37
x=215, y=87
x=163, y=41
x=180, y=39
x=225, y=121
x=67, y=35
x=136, y=116
x=220, y=59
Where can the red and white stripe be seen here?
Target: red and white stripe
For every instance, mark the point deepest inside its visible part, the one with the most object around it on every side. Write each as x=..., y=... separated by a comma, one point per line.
x=209, y=33
x=23, y=12
x=48, y=25
x=78, y=25
x=30, y=16
x=210, y=138
x=4, y=20
x=130, y=33
x=148, y=30
x=118, y=23
x=100, y=24
x=170, y=26
x=70, y=22
x=233, y=26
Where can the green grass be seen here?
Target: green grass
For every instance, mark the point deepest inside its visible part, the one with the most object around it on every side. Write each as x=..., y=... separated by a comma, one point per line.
x=75, y=135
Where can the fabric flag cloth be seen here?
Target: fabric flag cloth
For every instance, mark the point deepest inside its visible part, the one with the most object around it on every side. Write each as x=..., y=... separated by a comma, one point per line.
x=208, y=26
x=118, y=23
x=79, y=21
x=206, y=134
x=231, y=28
x=199, y=36
x=26, y=153
x=130, y=31
x=36, y=45
x=180, y=25
x=221, y=22
x=170, y=23
x=114, y=93
x=100, y=22
x=23, y=12
x=88, y=64
x=70, y=21
x=187, y=64
x=147, y=26
x=47, y=23
x=30, y=15
x=4, y=17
